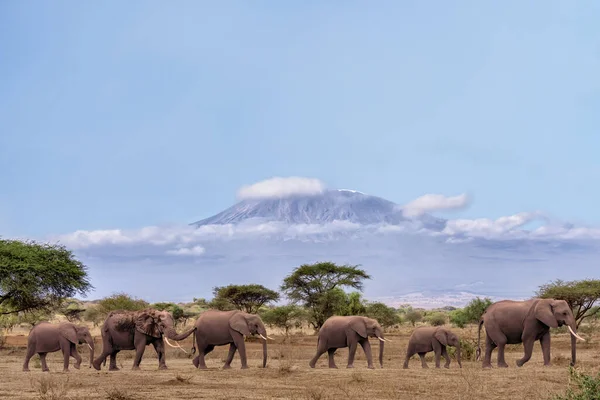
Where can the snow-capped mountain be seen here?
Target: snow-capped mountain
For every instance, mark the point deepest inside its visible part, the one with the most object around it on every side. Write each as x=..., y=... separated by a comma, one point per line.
x=329, y=206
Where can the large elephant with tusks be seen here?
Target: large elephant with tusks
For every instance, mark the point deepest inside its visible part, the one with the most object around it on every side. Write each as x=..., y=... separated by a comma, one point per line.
x=512, y=322
x=134, y=330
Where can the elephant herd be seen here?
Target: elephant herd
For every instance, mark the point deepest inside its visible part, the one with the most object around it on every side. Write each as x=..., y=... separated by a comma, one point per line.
x=505, y=322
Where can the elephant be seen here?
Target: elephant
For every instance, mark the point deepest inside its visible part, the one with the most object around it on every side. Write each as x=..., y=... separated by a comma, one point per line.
x=134, y=330
x=512, y=322
x=348, y=331
x=218, y=328
x=425, y=339
x=47, y=338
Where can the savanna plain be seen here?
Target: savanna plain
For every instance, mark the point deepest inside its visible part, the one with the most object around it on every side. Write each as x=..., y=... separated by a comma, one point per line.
x=288, y=376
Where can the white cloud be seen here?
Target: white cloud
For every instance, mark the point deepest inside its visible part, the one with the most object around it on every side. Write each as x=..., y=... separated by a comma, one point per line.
x=434, y=202
x=188, y=251
x=278, y=187
x=489, y=228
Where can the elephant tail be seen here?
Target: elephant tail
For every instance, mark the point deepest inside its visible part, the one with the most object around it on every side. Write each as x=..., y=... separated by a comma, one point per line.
x=478, y=352
x=193, y=343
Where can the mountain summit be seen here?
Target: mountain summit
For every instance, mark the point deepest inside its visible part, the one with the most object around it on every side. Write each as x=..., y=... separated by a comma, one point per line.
x=325, y=207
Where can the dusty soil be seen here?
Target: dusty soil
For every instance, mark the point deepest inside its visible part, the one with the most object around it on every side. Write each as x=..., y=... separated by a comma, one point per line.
x=288, y=375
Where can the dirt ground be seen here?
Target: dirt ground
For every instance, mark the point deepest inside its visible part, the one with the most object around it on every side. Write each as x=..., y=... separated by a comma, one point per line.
x=288, y=375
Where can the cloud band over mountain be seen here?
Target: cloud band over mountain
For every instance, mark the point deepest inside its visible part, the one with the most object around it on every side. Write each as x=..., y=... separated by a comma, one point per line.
x=281, y=223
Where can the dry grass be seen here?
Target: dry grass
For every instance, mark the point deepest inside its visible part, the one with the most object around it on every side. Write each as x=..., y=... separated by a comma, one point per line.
x=288, y=376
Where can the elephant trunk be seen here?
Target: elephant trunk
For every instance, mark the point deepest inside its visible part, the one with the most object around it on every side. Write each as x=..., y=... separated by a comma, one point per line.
x=573, y=343
x=264, y=343
x=381, y=345
x=172, y=334
x=90, y=343
x=262, y=332
x=458, y=356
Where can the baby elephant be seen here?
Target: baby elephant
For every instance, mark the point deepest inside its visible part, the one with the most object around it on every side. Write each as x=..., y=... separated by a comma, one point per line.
x=425, y=339
x=47, y=338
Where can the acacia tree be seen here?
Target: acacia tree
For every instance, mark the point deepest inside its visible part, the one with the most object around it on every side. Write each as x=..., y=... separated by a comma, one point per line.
x=284, y=317
x=248, y=298
x=36, y=276
x=580, y=295
x=319, y=287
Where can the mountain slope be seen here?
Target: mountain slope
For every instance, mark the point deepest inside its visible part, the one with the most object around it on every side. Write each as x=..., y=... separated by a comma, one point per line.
x=329, y=206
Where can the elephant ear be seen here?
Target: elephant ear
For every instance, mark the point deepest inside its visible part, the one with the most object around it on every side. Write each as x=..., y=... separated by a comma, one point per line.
x=146, y=323
x=69, y=332
x=544, y=313
x=359, y=326
x=238, y=323
x=441, y=336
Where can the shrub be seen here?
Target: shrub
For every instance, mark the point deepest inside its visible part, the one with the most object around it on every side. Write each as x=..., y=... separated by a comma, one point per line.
x=471, y=314
x=468, y=348
x=587, y=387
x=436, y=319
x=413, y=317
x=386, y=316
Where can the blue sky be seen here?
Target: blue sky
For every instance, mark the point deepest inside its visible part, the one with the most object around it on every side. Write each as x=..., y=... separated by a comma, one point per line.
x=124, y=114
x=127, y=115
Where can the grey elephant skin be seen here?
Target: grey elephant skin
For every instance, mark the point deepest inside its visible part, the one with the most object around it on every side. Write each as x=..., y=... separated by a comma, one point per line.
x=218, y=328
x=46, y=338
x=512, y=322
x=425, y=339
x=134, y=330
x=348, y=331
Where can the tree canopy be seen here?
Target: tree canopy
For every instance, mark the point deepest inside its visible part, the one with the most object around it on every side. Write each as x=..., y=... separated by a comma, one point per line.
x=318, y=287
x=121, y=301
x=248, y=298
x=580, y=295
x=36, y=276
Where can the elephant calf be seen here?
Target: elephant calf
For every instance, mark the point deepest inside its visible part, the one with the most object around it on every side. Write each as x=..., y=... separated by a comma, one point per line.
x=348, y=331
x=425, y=339
x=218, y=328
x=47, y=338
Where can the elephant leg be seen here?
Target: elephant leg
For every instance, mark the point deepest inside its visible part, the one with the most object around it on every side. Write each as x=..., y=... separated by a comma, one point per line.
x=330, y=357
x=446, y=356
x=367, y=349
x=43, y=360
x=76, y=356
x=139, y=341
x=66, y=348
x=351, y=353
x=437, y=352
x=528, y=347
x=232, y=350
x=409, y=353
x=203, y=349
x=30, y=353
x=321, y=349
x=238, y=340
x=545, y=343
x=489, y=348
x=422, y=357
x=112, y=365
x=159, y=347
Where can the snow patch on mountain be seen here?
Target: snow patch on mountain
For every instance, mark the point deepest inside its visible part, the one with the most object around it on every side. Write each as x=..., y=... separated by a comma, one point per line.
x=326, y=207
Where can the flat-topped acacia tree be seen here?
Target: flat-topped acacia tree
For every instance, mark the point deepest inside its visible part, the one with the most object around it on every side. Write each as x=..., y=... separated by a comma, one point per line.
x=35, y=276
x=317, y=286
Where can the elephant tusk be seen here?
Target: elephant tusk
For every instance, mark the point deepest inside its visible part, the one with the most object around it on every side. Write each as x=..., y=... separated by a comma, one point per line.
x=268, y=337
x=262, y=336
x=167, y=340
x=574, y=334
x=88, y=345
x=382, y=339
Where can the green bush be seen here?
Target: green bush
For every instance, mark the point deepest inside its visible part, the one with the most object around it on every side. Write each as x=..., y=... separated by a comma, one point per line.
x=385, y=315
x=471, y=314
x=587, y=387
x=436, y=319
x=468, y=348
x=413, y=316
